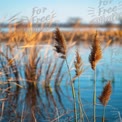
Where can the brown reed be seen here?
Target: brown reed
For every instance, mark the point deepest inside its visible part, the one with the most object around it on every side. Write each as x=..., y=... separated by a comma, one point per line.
x=78, y=64
x=60, y=43
x=95, y=56
x=61, y=47
x=96, y=52
x=79, y=70
x=106, y=93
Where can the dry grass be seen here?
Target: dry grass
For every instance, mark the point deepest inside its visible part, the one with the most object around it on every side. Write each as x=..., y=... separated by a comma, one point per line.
x=85, y=37
x=36, y=67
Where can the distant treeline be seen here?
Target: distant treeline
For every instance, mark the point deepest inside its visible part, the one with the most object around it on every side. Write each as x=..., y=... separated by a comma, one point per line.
x=25, y=25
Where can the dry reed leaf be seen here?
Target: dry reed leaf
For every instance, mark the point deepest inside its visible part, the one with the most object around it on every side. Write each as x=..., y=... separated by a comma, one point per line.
x=107, y=44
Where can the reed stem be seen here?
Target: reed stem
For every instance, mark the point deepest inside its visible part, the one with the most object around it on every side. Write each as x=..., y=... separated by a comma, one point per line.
x=94, y=97
x=103, y=118
x=73, y=92
x=80, y=102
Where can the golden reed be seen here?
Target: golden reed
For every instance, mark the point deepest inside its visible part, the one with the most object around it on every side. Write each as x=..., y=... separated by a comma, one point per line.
x=60, y=43
x=96, y=53
x=106, y=93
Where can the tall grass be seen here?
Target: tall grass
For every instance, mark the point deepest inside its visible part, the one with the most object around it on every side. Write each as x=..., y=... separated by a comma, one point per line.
x=60, y=46
x=30, y=68
x=95, y=56
x=79, y=70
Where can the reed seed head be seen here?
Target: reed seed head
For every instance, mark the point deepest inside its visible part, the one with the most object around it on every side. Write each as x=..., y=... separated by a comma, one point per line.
x=96, y=53
x=78, y=64
x=106, y=93
x=60, y=43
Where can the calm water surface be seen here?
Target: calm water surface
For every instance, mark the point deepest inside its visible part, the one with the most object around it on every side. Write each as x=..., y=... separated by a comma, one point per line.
x=55, y=104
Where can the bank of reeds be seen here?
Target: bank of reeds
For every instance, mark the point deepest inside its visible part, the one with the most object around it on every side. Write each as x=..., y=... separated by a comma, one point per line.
x=27, y=68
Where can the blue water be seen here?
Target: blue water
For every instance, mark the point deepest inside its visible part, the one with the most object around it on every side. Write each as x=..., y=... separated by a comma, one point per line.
x=56, y=103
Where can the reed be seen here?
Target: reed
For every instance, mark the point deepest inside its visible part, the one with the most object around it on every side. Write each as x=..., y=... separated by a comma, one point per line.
x=105, y=96
x=95, y=56
x=33, y=70
x=79, y=70
x=60, y=47
x=31, y=67
x=96, y=52
x=60, y=43
x=11, y=64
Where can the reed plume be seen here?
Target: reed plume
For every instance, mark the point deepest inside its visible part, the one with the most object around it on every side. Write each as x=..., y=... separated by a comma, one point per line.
x=95, y=56
x=105, y=96
x=96, y=53
x=106, y=93
x=78, y=64
x=79, y=70
x=60, y=43
x=60, y=46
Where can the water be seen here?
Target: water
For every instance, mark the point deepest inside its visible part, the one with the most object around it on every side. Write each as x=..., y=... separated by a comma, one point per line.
x=67, y=29
x=55, y=103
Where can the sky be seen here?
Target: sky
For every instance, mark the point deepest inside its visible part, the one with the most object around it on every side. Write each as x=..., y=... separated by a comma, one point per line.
x=59, y=10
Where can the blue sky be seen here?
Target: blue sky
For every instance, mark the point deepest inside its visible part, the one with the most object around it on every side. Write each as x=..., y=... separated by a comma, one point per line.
x=63, y=8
